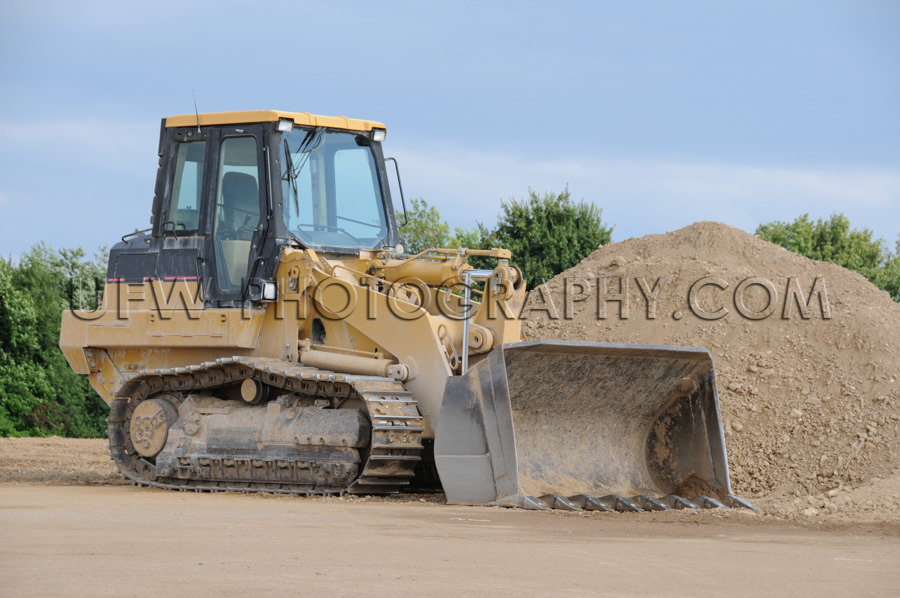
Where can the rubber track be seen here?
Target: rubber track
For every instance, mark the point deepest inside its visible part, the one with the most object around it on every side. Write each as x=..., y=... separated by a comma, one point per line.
x=397, y=426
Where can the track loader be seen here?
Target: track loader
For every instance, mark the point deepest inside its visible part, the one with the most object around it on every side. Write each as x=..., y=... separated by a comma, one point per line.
x=268, y=333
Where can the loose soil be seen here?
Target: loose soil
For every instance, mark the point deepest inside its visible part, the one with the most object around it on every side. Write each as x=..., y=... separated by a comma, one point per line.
x=809, y=400
x=69, y=527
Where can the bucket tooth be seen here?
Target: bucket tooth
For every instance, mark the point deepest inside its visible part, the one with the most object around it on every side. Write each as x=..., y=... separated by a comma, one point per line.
x=589, y=503
x=620, y=503
x=520, y=501
x=678, y=502
x=707, y=502
x=736, y=502
x=648, y=503
x=555, y=501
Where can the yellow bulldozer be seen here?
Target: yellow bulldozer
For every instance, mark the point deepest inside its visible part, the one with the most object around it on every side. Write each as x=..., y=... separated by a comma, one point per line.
x=268, y=333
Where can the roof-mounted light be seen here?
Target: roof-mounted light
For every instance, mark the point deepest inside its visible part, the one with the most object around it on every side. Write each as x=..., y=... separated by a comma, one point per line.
x=378, y=135
x=285, y=125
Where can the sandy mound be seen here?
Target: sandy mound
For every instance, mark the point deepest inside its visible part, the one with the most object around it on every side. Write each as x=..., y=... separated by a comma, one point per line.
x=806, y=353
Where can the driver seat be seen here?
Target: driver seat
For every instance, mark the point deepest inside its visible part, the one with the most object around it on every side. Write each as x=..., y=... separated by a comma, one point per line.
x=240, y=204
x=236, y=220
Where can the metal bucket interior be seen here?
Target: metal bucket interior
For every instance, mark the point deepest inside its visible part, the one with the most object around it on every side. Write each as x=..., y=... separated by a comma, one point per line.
x=568, y=418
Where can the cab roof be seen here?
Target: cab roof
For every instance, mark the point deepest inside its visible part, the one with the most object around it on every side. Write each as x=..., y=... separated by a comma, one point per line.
x=260, y=116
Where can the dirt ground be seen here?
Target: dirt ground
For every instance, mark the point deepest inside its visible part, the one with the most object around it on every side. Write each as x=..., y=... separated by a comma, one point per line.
x=70, y=527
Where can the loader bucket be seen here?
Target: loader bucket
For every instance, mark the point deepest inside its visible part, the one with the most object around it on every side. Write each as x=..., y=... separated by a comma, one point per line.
x=581, y=419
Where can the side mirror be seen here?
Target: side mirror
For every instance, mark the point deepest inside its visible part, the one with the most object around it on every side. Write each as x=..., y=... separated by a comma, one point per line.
x=400, y=186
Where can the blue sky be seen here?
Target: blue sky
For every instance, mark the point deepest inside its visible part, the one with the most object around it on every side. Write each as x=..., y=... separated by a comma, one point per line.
x=662, y=113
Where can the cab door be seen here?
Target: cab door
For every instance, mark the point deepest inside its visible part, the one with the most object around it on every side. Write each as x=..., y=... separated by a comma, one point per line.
x=238, y=211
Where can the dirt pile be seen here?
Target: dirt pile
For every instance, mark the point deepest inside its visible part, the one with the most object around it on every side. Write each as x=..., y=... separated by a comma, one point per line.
x=807, y=355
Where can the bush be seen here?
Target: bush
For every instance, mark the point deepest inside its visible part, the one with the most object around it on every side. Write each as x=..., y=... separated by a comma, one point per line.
x=833, y=240
x=39, y=392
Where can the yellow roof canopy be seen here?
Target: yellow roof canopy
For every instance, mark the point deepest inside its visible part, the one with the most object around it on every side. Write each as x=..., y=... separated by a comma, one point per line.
x=258, y=116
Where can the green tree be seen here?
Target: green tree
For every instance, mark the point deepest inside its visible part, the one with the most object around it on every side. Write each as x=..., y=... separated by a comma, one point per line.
x=833, y=240
x=549, y=233
x=39, y=392
x=890, y=276
x=424, y=228
x=480, y=237
x=24, y=388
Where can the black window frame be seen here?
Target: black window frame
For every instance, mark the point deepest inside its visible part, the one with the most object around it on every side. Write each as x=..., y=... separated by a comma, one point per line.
x=213, y=291
x=165, y=182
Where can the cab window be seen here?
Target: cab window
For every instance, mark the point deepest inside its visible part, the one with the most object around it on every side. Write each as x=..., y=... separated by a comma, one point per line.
x=331, y=192
x=184, y=207
x=237, y=211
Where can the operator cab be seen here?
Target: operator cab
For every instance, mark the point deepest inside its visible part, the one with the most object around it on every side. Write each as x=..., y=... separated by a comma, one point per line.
x=235, y=190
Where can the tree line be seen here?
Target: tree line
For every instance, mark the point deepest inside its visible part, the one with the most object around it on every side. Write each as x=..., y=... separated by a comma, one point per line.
x=40, y=395
x=547, y=233
x=550, y=233
x=834, y=240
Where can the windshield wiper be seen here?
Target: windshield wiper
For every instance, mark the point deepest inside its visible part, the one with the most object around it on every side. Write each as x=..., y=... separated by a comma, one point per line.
x=289, y=175
x=313, y=140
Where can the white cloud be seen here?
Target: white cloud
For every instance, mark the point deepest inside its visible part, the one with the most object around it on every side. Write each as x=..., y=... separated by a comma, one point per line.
x=653, y=196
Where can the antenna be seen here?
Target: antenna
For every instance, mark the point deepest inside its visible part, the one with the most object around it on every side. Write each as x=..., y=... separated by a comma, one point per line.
x=197, y=112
